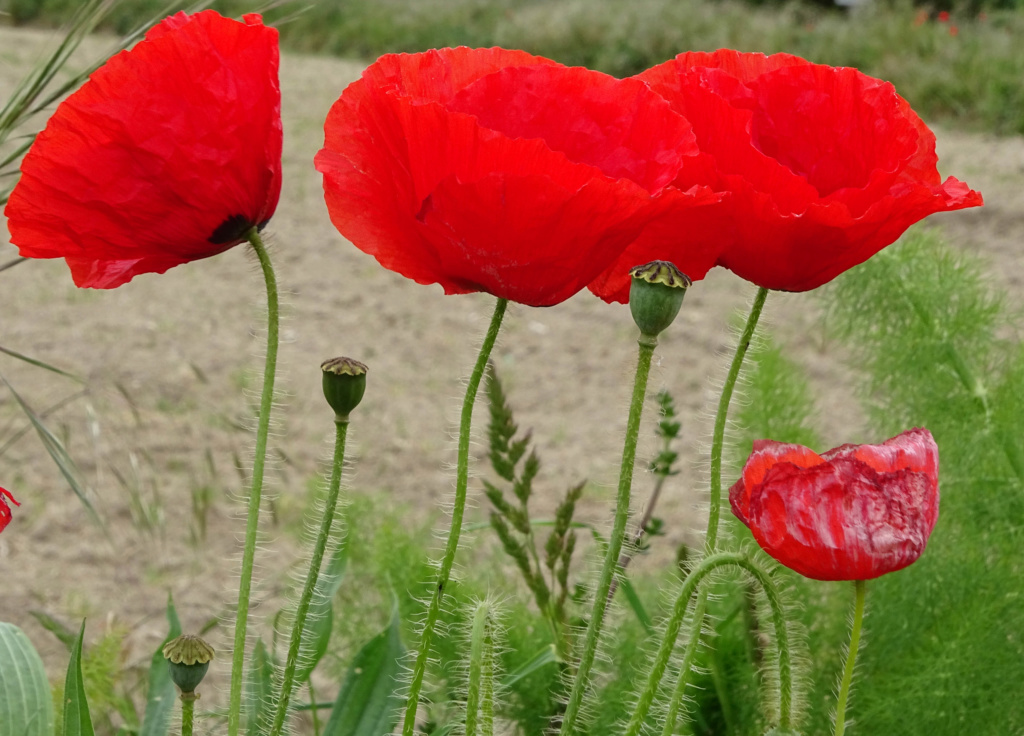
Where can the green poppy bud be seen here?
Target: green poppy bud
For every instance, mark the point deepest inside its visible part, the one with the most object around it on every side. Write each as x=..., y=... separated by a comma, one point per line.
x=655, y=295
x=344, y=385
x=188, y=657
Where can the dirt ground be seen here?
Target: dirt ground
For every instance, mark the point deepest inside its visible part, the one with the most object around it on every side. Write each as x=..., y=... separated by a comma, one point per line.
x=170, y=368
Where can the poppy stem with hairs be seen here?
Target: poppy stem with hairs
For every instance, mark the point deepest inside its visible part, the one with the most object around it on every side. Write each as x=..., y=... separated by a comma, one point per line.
x=647, y=344
x=256, y=489
x=851, y=657
x=717, y=443
x=188, y=707
x=461, y=484
x=301, y=611
x=697, y=579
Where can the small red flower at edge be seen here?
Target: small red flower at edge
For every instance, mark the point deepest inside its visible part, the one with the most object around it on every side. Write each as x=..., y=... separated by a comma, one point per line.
x=823, y=166
x=169, y=153
x=494, y=170
x=5, y=510
x=853, y=513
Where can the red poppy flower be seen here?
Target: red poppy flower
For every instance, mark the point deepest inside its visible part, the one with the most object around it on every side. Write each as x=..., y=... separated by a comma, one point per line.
x=853, y=513
x=169, y=153
x=5, y=510
x=494, y=170
x=824, y=166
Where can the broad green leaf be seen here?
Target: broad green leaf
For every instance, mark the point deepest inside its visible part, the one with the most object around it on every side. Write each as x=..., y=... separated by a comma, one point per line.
x=368, y=702
x=160, y=697
x=77, y=721
x=259, y=689
x=320, y=619
x=26, y=708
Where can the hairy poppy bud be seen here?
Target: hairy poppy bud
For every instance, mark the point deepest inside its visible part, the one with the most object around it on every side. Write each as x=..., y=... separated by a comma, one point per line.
x=656, y=294
x=344, y=385
x=188, y=657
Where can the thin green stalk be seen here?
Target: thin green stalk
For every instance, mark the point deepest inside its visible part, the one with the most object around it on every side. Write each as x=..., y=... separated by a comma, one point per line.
x=188, y=705
x=256, y=490
x=647, y=344
x=341, y=432
x=851, y=658
x=723, y=412
x=313, y=712
x=461, y=484
x=674, y=624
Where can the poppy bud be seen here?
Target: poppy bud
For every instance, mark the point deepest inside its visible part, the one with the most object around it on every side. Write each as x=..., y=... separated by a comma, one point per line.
x=344, y=385
x=188, y=657
x=655, y=295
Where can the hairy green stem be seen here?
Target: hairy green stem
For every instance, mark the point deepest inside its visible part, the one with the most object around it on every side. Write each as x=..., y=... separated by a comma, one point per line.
x=341, y=432
x=686, y=665
x=851, y=658
x=461, y=484
x=188, y=706
x=647, y=344
x=480, y=692
x=675, y=621
x=256, y=489
x=718, y=438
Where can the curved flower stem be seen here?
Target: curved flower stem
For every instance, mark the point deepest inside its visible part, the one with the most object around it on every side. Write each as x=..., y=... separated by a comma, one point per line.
x=714, y=512
x=851, y=658
x=256, y=491
x=461, y=484
x=341, y=432
x=674, y=624
x=611, y=559
x=723, y=412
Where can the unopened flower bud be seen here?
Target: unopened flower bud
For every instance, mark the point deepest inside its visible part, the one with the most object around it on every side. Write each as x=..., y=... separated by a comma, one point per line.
x=188, y=657
x=344, y=385
x=655, y=295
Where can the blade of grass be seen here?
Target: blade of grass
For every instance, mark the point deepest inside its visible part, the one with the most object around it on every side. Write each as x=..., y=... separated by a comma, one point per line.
x=57, y=452
x=156, y=720
x=38, y=363
x=77, y=721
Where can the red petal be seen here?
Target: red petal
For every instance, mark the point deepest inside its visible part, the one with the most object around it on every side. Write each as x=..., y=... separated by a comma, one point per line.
x=165, y=143
x=488, y=187
x=5, y=510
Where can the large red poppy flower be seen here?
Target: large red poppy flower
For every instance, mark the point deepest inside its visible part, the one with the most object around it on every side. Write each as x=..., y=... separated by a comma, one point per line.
x=853, y=513
x=169, y=153
x=494, y=170
x=824, y=166
x=5, y=510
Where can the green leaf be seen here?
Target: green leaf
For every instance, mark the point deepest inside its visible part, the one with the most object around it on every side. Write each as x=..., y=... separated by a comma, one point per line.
x=57, y=452
x=66, y=636
x=547, y=655
x=259, y=687
x=368, y=702
x=156, y=721
x=635, y=604
x=320, y=619
x=26, y=708
x=77, y=721
x=38, y=363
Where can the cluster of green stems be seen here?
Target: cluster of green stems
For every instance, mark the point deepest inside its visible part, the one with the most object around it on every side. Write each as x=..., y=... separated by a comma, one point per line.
x=693, y=588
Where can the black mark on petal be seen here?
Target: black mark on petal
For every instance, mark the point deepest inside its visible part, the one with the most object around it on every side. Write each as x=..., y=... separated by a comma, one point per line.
x=231, y=230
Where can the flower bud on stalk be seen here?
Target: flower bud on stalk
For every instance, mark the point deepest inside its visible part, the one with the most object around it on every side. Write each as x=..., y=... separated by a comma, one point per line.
x=344, y=385
x=188, y=658
x=655, y=295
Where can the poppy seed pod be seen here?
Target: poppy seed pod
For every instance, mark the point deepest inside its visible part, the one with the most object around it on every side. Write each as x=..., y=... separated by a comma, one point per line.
x=655, y=295
x=344, y=385
x=188, y=658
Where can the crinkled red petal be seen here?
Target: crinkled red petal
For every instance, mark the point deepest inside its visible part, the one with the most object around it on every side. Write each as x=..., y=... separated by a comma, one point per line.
x=859, y=512
x=140, y=169
x=5, y=510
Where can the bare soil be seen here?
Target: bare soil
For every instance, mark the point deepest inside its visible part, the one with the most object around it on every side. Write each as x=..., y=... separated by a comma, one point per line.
x=171, y=366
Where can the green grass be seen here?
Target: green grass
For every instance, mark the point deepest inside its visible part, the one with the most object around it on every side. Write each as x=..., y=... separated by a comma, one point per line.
x=972, y=79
